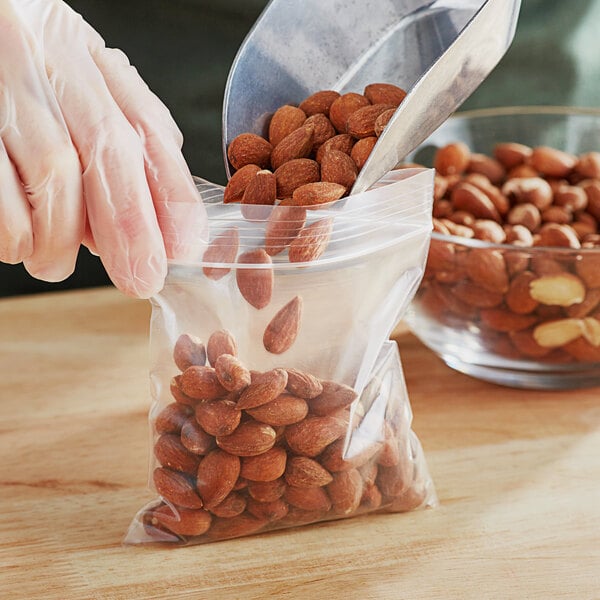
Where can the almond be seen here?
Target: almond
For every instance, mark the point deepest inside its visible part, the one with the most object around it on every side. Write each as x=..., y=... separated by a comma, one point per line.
x=177, y=393
x=217, y=474
x=361, y=123
x=231, y=373
x=481, y=164
x=297, y=144
x=487, y=268
x=218, y=417
x=488, y=230
x=282, y=330
x=201, y=383
x=319, y=102
x=171, y=453
x=474, y=295
x=557, y=235
x=236, y=186
x=529, y=190
x=452, y=159
x=266, y=491
x=384, y=93
x=222, y=249
x=172, y=417
x=382, y=120
x=588, y=269
x=286, y=409
x=181, y=521
x=265, y=467
x=582, y=350
x=584, y=308
x=338, y=167
x=249, y=439
x=345, y=491
x=189, y=350
x=471, y=199
x=249, y=149
x=284, y=121
x=337, y=458
x=308, y=498
x=240, y=526
x=261, y=189
x=343, y=107
x=410, y=499
x=317, y=193
x=283, y=225
x=302, y=471
x=255, y=284
x=323, y=129
x=362, y=150
x=270, y=511
x=526, y=344
x=312, y=435
x=371, y=498
x=263, y=388
x=312, y=241
x=562, y=289
x=526, y=215
x=394, y=481
x=195, y=439
x=342, y=142
x=304, y=385
x=232, y=506
x=294, y=173
x=176, y=488
x=511, y=154
x=503, y=320
x=333, y=397
x=552, y=162
x=220, y=342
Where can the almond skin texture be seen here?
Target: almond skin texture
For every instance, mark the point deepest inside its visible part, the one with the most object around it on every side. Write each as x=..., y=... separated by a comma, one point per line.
x=232, y=506
x=308, y=498
x=294, y=173
x=223, y=249
x=201, y=383
x=249, y=149
x=271, y=511
x=384, y=93
x=261, y=189
x=285, y=120
x=302, y=471
x=552, y=162
x=217, y=474
x=342, y=142
x=487, y=268
x=264, y=388
x=195, y=439
x=236, y=186
x=452, y=159
x=286, y=409
x=265, y=467
x=255, y=285
x=220, y=342
x=317, y=193
x=172, y=418
x=297, y=144
x=338, y=167
x=361, y=123
x=303, y=385
x=323, y=130
x=361, y=150
x=242, y=525
x=282, y=330
x=382, y=120
x=218, y=417
x=189, y=350
x=267, y=491
x=319, y=102
x=249, y=439
x=311, y=241
x=182, y=522
x=283, y=225
x=176, y=488
x=177, y=393
x=343, y=107
x=312, y=435
x=345, y=491
x=333, y=397
x=231, y=373
x=171, y=453
x=469, y=198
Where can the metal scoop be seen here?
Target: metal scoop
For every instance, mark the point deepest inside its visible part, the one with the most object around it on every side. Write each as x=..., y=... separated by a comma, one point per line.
x=439, y=51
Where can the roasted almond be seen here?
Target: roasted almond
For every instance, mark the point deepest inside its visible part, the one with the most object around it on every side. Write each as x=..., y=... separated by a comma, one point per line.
x=222, y=249
x=471, y=199
x=312, y=435
x=270, y=511
x=345, y=491
x=552, y=162
x=232, y=506
x=201, y=383
x=342, y=142
x=218, y=417
x=284, y=121
x=487, y=268
x=286, y=409
x=362, y=150
x=261, y=189
x=249, y=439
x=512, y=154
x=236, y=186
x=297, y=144
x=266, y=491
x=338, y=167
x=500, y=319
x=492, y=169
x=177, y=392
x=294, y=173
x=176, y=487
x=308, y=498
x=171, y=453
x=319, y=102
x=194, y=438
x=267, y=466
x=217, y=473
x=343, y=107
x=231, y=373
x=249, y=149
x=242, y=525
x=333, y=397
x=361, y=123
x=189, y=350
x=181, y=521
x=255, y=284
x=322, y=129
x=452, y=159
x=172, y=417
x=302, y=471
x=283, y=225
x=382, y=120
x=384, y=93
x=263, y=388
x=283, y=328
x=220, y=342
x=304, y=385
x=311, y=241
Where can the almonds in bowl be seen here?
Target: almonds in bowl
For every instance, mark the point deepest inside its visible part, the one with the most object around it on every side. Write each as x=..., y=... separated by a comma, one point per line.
x=511, y=292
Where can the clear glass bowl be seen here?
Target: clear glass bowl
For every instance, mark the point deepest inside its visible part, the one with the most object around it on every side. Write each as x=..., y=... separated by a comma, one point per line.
x=495, y=338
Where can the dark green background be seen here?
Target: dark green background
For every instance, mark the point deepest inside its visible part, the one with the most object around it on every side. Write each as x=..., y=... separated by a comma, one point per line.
x=184, y=48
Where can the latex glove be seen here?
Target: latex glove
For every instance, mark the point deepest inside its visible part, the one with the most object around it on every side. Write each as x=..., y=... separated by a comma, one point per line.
x=87, y=155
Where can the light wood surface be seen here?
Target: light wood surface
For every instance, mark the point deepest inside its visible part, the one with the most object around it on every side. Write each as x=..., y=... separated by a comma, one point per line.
x=517, y=474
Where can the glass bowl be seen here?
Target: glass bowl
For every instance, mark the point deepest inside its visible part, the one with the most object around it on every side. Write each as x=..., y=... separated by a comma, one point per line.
x=526, y=317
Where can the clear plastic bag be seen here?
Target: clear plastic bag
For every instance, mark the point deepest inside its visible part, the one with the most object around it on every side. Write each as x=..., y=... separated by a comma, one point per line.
x=278, y=399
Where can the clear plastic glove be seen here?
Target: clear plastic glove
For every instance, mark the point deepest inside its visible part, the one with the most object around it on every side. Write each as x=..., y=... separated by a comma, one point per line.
x=88, y=154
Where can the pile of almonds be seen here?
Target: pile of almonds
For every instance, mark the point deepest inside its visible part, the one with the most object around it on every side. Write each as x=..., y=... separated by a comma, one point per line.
x=527, y=302
x=243, y=451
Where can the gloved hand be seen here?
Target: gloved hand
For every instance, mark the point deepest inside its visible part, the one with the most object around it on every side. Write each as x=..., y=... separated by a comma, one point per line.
x=88, y=154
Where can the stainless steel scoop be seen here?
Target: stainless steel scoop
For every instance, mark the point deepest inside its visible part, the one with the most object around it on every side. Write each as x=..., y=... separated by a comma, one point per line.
x=439, y=51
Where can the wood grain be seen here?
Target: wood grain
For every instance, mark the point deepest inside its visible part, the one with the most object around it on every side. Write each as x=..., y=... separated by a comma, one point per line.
x=517, y=474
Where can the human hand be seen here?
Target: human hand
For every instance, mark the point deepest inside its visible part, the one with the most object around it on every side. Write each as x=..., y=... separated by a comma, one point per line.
x=88, y=154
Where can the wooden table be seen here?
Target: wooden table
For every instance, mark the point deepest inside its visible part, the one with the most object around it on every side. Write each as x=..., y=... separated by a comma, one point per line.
x=517, y=474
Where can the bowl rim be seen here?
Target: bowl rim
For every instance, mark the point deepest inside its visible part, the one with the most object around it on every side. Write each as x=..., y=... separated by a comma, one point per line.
x=504, y=111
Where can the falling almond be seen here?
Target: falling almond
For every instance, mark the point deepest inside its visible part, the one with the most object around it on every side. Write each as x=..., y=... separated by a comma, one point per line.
x=281, y=332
